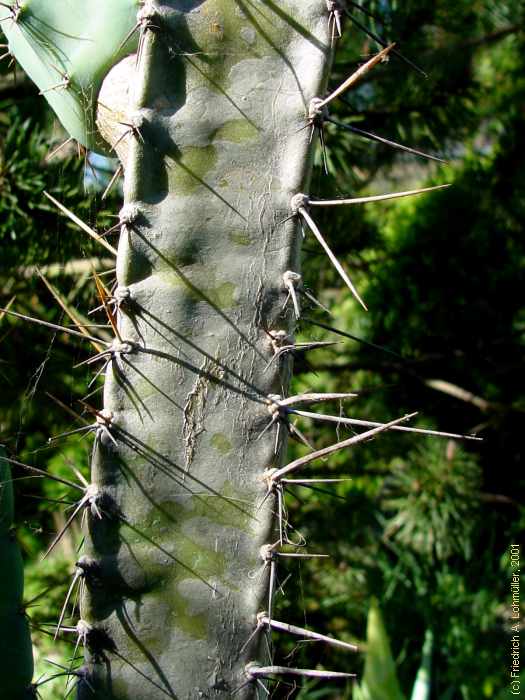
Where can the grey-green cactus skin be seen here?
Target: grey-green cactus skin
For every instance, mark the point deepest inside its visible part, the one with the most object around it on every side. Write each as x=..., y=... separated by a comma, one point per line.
x=16, y=654
x=219, y=148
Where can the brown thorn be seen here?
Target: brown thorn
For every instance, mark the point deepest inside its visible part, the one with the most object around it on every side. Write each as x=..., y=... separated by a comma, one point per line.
x=9, y=305
x=81, y=327
x=255, y=671
x=357, y=75
x=118, y=172
x=81, y=224
x=81, y=504
x=381, y=139
x=54, y=326
x=59, y=148
x=103, y=295
x=302, y=632
x=335, y=262
x=42, y=473
x=302, y=461
x=66, y=408
x=375, y=424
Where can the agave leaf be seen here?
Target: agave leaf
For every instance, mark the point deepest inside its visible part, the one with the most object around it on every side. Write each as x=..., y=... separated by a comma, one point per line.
x=380, y=680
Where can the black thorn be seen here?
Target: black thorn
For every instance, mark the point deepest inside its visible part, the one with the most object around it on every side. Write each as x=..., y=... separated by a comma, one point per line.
x=380, y=139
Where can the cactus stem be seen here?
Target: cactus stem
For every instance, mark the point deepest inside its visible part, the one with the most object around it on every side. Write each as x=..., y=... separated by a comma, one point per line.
x=166, y=689
x=87, y=229
x=146, y=17
x=335, y=262
x=302, y=461
x=162, y=549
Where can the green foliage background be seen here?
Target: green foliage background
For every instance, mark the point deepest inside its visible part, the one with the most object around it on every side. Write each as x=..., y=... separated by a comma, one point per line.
x=425, y=525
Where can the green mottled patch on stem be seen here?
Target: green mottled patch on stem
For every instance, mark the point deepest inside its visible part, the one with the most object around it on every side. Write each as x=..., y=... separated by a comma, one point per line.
x=201, y=285
x=188, y=172
x=194, y=625
x=223, y=296
x=239, y=238
x=221, y=443
x=236, y=131
x=228, y=511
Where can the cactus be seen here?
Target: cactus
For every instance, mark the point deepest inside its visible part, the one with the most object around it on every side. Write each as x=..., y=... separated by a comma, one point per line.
x=68, y=48
x=213, y=119
x=15, y=643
